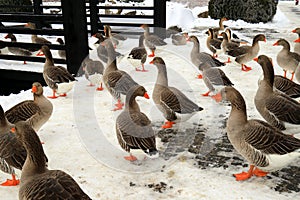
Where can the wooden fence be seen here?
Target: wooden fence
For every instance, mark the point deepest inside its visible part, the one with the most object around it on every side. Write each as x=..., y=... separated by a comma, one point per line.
x=78, y=20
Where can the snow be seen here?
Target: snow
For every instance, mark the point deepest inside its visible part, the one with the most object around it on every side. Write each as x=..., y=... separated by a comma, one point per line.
x=80, y=135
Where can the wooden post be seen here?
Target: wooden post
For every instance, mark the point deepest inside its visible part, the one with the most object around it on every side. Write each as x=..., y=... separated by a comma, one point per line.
x=37, y=10
x=75, y=26
x=94, y=17
x=160, y=17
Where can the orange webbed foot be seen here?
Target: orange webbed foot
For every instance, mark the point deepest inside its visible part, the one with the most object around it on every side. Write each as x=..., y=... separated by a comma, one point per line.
x=242, y=176
x=206, y=94
x=130, y=158
x=52, y=97
x=259, y=173
x=246, y=68
x=11, y=182
x=63, y=95
x=217, y=97
x=168, y=124
x=119, y=106
x=199, y=76
x=100, y=88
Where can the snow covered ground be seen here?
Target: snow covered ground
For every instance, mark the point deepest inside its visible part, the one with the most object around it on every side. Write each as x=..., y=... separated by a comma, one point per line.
x=80, y=135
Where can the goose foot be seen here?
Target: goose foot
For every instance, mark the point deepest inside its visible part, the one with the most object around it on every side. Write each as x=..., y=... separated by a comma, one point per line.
x=206, y=94
x=53, y=96
x=63, y=95
x=119, y=106
x=246, y=68
x=130, y=158
x=168, y=124
x=152, y=54
x=12, y=182
x=259, y=173
x=228, y=60
x=199, y=76
x=217, y=97
x=100, y=88
x=244, y=175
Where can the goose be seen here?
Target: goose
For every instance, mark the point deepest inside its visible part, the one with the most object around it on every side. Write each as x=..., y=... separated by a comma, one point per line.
x=265, y=147
x=221, y=26
x=37, y=181
x=93, y=71
x=115, y=38
x=244, y=54
x=199, y=59
x=179, y=38
x=139, y=54
x=12, y=154
x=174, y=105
x=276, y=108
x=37, y=111
x=234, y=38
x=213, y=43
x=61, y=53
x=133, y=128
x=116, y=81
x=152, y=40
x=17, y=50
x=297, y=41
x=57, y=77
x=286, y=59
x=227, y=45
x=34, y=37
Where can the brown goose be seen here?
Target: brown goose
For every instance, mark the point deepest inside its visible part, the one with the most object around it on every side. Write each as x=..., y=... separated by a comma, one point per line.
x=200, y=59
x=276, y=108
x=287, y=86
x=297, y=41
x=244, y=54
x=36, y=111
x=116, y=81
x=38, y=182
x=133, y=128
x=93, y=71
x=34, y=37
x=213, y=43
x=220, y=28
x=17, y=50
x=152, y=40
x=12, y=152
x=286, y=59
x=234, y=38
x=61, y=53
x=262, y=145
x=226, y=45
x=115, y=38
x=174, y=105
x=57, y=77
x=139, y=53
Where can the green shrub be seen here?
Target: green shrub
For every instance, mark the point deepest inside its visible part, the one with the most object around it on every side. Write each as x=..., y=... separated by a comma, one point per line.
x=15, y=2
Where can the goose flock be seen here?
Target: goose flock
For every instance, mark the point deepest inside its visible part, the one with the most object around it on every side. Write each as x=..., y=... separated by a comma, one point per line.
x=261, y=142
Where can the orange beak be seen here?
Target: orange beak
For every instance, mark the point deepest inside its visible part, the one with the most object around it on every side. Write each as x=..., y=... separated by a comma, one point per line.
x=255, y=59
x=151, y=62
x=298, y=40
x=146, y=95
x=294, y=31
x=40, y=53
x=13, y=130
x=6, y=36
x=34, y=89
x=275, y=44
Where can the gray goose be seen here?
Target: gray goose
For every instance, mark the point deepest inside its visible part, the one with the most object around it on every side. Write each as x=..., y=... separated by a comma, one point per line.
x=179, y=38
x=220, y=28
x=139, y=53
x=174, y=105
x=213, y=43
x=200, y=59
x=227, y=45
x=17, y=50
x=152, y=40
x=38, y=182
x=133, y=128
x=34, y=37
x=93, y=71
x=286, y=59
x=37, y=111
x=115, y=38
x=61, y=53
x=287, y=86
x=265, y=147
x=276, y=108
x=297, y=41
x=12, y=152
x=244, y=54
x=57, y=77
x=116, y=81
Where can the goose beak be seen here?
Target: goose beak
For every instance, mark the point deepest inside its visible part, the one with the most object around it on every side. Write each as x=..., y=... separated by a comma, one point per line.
x=34, y=89
x=255, y=59
x=6, y=36
x=40, y=53
x=294, y=31
x=13, y=130
x=146, y=95
x=275, y=44
x=298, y=40
x=151, y=62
